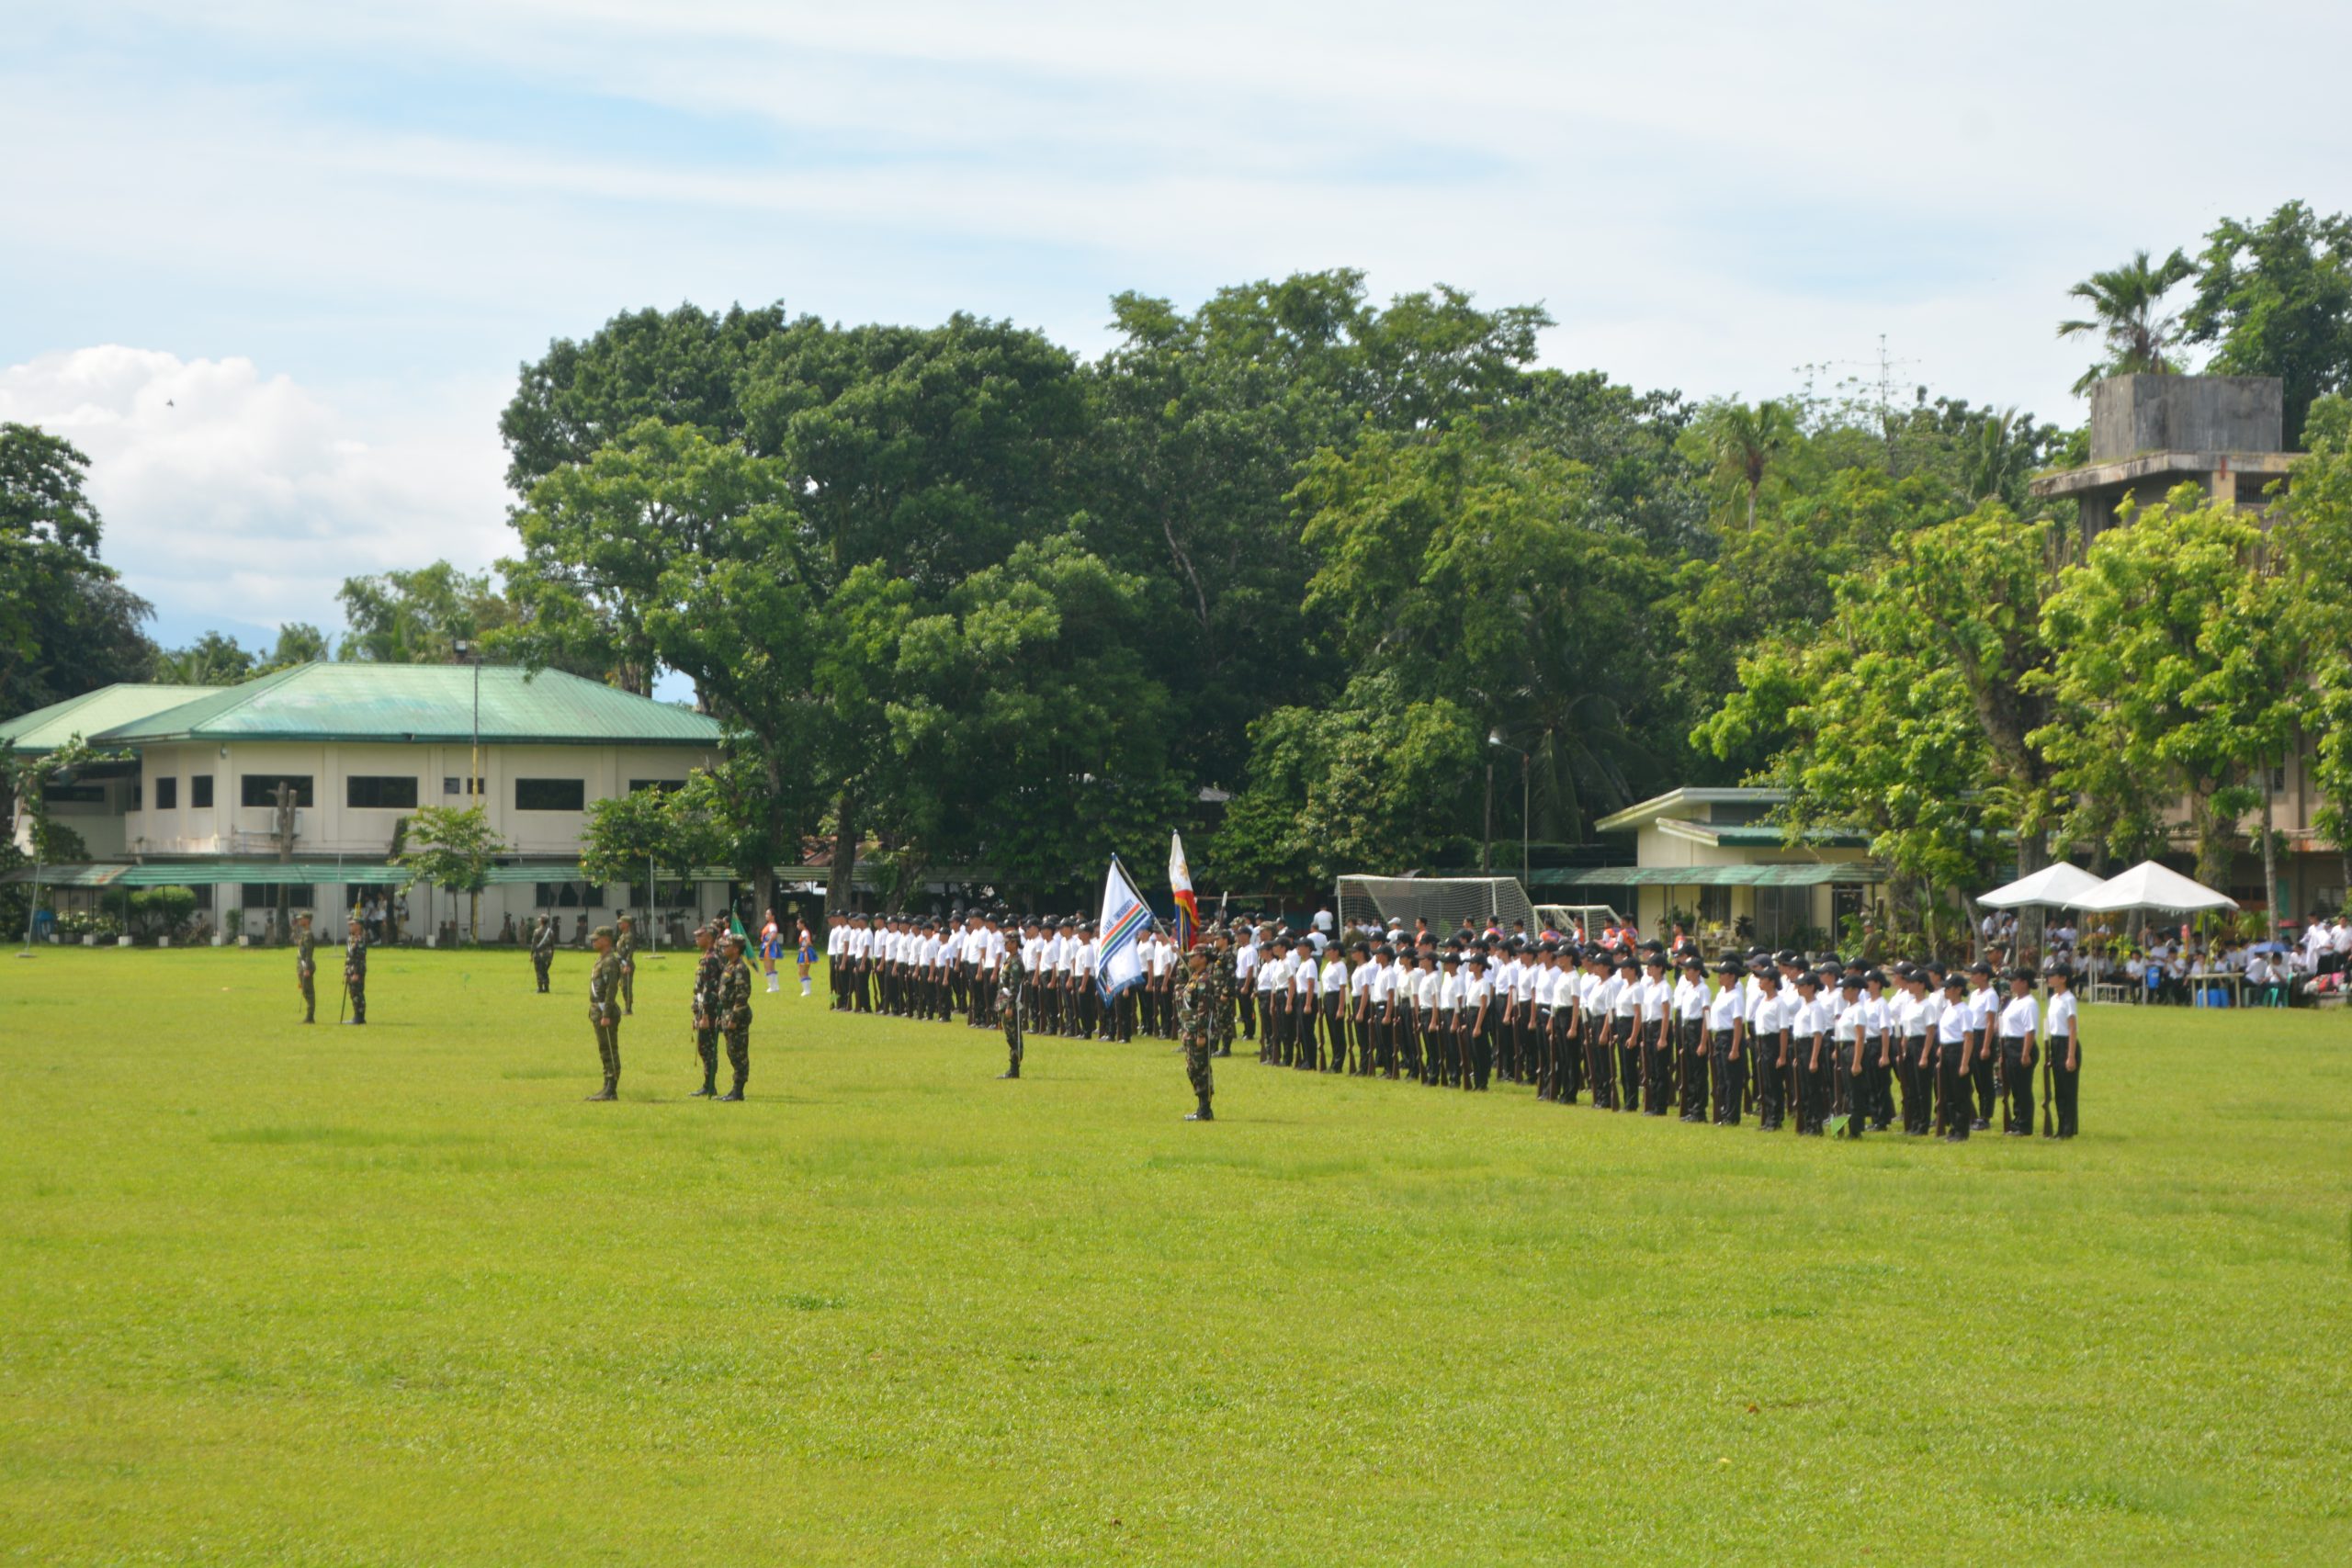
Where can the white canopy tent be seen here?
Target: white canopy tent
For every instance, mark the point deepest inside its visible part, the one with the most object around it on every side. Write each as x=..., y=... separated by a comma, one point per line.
x=2061, y=884
x=2150, y=887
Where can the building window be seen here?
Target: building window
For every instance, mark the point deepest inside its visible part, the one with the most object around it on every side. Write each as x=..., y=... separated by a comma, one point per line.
x=2278, y=781
x=381, y=792
x=200, y=792
x=73, y=794
x=550, y=794
x=261, y=789
x=273, y=895
x=1715, y=905
x=665, y=785
x=675, y=895
x=569, y=895
x=167, y=794
x=453, y=784
x=138, y=792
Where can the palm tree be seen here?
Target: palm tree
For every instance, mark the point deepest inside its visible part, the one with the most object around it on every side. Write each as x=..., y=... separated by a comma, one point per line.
x=2125, y=305
x=1745, y=441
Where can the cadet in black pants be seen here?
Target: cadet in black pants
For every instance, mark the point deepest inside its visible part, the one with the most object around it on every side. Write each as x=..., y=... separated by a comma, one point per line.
x=2062, y=1048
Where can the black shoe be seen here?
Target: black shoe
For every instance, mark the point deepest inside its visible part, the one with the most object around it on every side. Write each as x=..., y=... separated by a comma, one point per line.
x=1009, y=1072
x=607, y=1092
x=1978, y=1124
x=732, y=1097
x=1202, y=1114
x=708, y=1091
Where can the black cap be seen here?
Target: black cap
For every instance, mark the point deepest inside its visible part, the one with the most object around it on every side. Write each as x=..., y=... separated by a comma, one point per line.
x=1728, y=964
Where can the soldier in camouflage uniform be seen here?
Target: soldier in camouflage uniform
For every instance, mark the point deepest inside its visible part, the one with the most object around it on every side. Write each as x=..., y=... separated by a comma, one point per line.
x=543, y=950
x=1010, y=974
x=306, y=969
x=1196, y=1004
x=1225, y=986
x=735, y=1014
x=626, y=951
x=708, y=970
x=604, y=1009
x=355, y=971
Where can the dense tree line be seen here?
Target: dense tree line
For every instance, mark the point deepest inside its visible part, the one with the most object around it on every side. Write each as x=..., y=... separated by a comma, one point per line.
x=1293, y=569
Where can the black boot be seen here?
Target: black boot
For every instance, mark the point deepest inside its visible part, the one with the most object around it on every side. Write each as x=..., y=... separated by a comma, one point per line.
x=735, y=1093
x=709, y=1090
x=1203, y=1113
x=1011, y=1072
x=612, y=1089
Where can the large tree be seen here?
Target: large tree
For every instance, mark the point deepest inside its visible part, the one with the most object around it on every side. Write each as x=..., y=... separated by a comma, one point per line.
x=2151, y=679
x=2275, y=299
x=419, y=616
x=66, y=625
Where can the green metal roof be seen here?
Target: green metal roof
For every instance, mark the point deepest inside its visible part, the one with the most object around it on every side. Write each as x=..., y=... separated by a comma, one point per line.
x=1709, y=876
x=45, y=729
x=423, y=703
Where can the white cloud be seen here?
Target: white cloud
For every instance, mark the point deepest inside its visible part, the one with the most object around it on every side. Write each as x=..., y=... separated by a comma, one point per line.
x=241, y=500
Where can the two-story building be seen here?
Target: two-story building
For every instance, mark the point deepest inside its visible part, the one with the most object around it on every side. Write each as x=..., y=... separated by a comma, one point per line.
x=194, y=779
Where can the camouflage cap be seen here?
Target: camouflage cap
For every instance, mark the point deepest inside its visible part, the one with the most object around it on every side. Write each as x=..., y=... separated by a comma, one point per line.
x=604, y=932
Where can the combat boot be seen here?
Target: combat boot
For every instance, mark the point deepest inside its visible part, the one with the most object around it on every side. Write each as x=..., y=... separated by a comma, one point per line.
x=709, y=1090
x=733, y=1095
x=1203, y=1113
x=610, y=1092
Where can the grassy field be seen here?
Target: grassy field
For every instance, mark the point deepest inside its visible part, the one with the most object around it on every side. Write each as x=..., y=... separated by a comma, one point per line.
x=270, y=1295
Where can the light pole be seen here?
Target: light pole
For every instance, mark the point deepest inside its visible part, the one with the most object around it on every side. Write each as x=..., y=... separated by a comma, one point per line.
x=472, y=653
x=1495, y=739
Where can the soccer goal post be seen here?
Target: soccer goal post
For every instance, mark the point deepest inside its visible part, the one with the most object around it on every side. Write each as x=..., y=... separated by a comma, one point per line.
x=1444, y=901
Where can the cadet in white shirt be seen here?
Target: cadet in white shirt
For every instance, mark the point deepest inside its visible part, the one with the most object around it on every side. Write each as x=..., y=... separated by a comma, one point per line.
x=1477, y=1023
x=1984, y=1010
x=1850, y=1092
x=1657, y=1049
x=2061, y=1050
x=1727, y=1068
x=1626, y=1030
x=1690, y=1015
x=1305, y=987
x=1955, y=1038
x=1332, y=1008
x=2020, y=1028
x=1768, y=1035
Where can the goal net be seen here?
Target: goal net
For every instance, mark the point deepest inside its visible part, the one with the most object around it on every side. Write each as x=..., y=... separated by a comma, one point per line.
x=1444, y=901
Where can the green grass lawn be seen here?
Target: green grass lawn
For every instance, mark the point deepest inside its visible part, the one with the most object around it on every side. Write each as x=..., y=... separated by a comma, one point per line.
x=276, y=1294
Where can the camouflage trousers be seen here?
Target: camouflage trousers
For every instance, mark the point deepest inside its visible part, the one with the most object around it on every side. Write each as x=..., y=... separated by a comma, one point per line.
x=540, y=965
x=739, y=1054
x=1197, y=1070
x=1009, y=1007
x=358, y=1001
x=310, y=997
x=706, y=1052
x=608, y=1047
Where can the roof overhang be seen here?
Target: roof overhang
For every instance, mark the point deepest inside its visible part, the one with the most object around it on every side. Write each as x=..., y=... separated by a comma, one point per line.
x=2132, y=471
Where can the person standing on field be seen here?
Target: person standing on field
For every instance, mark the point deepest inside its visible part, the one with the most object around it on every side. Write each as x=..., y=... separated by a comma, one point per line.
x=355, y=971
x=1196, y=1001
x=806, y=945
x=2062, y=1043
x=1011, y=973
x=305, y=968
x=604, y=1011
x=542, y=951
x=735, y=1014
x=770, y=943
x=624, y=950
x=708, y=970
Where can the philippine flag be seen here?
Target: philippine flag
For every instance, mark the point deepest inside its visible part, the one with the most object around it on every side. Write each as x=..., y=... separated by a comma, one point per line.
x=1180, y=883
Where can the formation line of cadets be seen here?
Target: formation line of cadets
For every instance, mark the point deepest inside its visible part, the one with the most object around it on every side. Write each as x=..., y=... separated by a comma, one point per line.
x=1812, y=1043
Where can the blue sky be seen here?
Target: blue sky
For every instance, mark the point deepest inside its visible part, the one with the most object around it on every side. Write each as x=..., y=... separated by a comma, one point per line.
x=274, y=265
